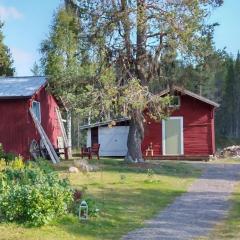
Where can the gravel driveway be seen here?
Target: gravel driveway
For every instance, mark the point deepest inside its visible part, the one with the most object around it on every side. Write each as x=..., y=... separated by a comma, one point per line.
x=196, y=212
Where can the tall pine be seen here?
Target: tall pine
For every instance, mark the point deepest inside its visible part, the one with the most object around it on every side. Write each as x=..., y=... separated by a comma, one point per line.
x=227, y=116
x=6, y=62
x=237, y=95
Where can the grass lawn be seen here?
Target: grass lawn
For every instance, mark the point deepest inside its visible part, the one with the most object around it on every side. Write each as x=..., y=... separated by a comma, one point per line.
x=126, y=196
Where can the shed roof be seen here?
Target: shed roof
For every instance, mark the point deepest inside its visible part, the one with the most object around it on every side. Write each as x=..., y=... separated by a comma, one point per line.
x=191, y=94
x=20, y=87
x=104, y=123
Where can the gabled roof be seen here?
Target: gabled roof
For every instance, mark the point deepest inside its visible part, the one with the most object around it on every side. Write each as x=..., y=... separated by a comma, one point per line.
x=20, y=87
x=191, y=94
x=99, y=124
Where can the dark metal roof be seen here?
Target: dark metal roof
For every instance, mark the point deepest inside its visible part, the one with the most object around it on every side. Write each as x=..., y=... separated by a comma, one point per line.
x=20, y=87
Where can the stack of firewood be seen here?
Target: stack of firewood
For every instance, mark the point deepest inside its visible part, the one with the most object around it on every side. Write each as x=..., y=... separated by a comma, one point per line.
x=231, y=151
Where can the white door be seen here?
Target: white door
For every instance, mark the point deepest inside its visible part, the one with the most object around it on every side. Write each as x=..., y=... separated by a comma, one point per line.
x=113, y=141
x=172, y=136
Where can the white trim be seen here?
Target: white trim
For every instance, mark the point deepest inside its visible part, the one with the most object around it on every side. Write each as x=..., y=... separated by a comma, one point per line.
x=40, y=111
x=163, y=136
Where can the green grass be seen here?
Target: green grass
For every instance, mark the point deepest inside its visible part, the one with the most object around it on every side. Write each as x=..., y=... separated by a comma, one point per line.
x=229, y=229
x=125, y=194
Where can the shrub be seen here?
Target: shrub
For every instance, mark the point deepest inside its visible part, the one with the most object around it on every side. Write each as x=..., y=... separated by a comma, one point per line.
x=7, y=157
x=93, y=210
x=30, y=195
x=1, y=151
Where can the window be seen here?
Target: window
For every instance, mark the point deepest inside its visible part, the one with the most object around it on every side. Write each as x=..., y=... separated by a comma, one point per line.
x=37, y=110
x=175, y=101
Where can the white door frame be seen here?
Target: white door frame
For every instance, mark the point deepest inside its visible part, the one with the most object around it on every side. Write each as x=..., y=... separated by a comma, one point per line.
x=163, y=136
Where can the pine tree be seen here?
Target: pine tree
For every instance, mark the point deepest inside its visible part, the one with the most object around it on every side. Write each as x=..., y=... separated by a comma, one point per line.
x=228, y=103
x=36, y=69
x=6, y=62
x=237, y=95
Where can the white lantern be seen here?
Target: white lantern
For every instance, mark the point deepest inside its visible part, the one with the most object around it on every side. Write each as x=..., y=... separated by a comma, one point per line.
x=83, y=210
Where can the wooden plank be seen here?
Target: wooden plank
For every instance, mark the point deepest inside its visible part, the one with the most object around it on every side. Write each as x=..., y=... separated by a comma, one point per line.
x=46, y=141
x=64, y=134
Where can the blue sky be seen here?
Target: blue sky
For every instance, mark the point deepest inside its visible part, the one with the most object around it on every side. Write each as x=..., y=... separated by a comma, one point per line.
x=27, y=24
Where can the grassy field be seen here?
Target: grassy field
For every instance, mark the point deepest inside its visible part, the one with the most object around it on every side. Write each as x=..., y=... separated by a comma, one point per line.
x=126, y=196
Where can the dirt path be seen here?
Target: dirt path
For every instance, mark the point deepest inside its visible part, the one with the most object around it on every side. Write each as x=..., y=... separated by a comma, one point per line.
x=195, y=213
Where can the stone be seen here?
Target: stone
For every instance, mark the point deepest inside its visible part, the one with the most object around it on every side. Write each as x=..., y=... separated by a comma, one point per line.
x=73, y=169
x=84, y=166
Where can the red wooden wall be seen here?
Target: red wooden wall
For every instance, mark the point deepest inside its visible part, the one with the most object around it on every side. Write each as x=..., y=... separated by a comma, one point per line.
x=13, y=126
x=17, y=129
x=49, y=119
x=198, y=129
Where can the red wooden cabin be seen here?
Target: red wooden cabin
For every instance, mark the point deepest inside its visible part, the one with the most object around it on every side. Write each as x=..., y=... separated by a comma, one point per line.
x=187, y=134
x=17, y=129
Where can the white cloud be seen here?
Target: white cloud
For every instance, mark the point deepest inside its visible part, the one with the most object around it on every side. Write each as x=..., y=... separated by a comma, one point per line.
x=7, y=13
x=23, y=61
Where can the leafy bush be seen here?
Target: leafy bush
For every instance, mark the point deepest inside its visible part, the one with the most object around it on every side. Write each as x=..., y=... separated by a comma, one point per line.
x=7, y=157
x=93, y=210
x=32, y=195
x=1, y=151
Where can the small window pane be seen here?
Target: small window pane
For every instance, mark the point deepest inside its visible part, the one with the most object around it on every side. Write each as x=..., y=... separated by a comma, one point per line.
x=175, y=102
x=37, y=110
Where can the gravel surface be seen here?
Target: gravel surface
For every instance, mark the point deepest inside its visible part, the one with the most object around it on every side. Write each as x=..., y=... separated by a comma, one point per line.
x=196, y=212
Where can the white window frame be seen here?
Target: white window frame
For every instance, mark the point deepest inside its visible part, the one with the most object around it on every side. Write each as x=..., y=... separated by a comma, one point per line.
x=179, y=102
x=163, y=136
x=39, y=104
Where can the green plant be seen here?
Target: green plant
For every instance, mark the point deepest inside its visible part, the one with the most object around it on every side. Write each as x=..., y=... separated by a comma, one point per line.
x=150, y=173
x=17, y=163
x=93, y=210
x=2, y=164
x=1, y=151
x=122, y=178
x=30, y=195
x=151, y=176
x=9, y=157
x=43, y=164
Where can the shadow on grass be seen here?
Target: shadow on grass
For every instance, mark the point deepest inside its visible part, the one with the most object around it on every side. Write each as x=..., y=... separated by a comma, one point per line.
x=175, y=169
x=121, y=212
x=196, y=217
x=179, y=169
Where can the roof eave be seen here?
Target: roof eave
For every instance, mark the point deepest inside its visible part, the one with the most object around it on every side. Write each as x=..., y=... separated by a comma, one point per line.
x=100, y=124
x=14, y=97
x=192, y=94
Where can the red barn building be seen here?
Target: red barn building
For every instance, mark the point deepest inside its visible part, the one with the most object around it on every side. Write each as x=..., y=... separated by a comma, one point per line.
x=17, y=128
x=187, y=134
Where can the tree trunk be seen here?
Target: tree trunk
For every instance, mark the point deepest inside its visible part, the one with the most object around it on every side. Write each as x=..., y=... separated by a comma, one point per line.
x=135, y=137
